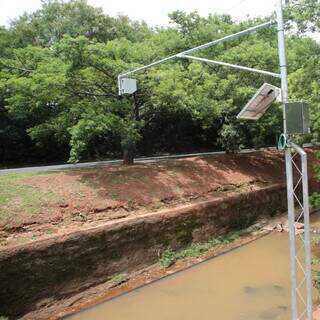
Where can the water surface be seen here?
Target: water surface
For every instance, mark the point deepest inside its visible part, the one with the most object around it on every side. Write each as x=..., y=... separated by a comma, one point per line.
x=249, y=283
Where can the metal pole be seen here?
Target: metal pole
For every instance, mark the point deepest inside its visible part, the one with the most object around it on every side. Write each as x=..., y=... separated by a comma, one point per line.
x=283, y=60
x=292, y=235
x=289, y=174
x=307, y=234
x=147, y=66
x=203, y=46
x=230, y=65
x=306, y=220
x=230, y=37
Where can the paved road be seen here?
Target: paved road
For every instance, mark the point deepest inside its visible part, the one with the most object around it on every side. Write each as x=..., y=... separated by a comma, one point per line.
x=95, y=164
x=83, y=165
x=114, y=162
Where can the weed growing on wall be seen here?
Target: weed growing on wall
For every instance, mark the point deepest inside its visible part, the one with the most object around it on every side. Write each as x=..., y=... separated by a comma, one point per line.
x=117, y=279
x=195, y=250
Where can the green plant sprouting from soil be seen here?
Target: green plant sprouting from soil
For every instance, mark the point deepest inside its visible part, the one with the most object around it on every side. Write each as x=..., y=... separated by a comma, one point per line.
x=315, y=240
x=316, y=273
x=315, y=262
x=196, y=249
x=117, y=279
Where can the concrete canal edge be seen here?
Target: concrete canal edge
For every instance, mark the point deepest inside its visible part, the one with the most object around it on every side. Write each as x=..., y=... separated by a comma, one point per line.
x=37, y=274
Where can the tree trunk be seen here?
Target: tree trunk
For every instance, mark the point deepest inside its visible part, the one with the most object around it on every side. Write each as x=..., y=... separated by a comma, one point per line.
x=136, y=107
x=129, y=153
x=128, y=157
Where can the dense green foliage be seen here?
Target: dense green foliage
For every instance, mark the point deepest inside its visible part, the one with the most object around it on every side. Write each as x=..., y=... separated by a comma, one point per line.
x=58, y=87
x=315, y=197
x=196, y=249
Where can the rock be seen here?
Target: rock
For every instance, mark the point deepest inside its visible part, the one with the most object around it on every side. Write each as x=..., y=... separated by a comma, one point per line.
x=255, y=227
x=274, y=314
x=279, y=291
x=250, y=290
x=299, y=231
x=299, y=225
x=63, y=205
x=280, y=227
x=269, y=227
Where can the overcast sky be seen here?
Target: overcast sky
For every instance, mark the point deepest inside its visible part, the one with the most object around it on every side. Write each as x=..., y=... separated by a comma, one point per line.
x=155, y=12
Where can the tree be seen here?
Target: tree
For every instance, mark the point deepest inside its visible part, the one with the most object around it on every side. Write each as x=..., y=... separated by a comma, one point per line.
x=50, y=55
x=58, y=18
x=58, y=84
x=305, y=14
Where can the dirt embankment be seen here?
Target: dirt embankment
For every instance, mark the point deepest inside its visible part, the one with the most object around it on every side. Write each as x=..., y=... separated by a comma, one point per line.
x=154, y=206
x=43, y=205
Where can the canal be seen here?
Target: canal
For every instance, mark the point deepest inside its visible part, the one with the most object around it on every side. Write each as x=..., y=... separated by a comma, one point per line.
x=249, y=283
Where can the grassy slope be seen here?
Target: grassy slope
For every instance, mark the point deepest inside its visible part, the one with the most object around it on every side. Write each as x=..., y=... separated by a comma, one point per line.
x=43, y=203
x=47, y=195
x=20, y=199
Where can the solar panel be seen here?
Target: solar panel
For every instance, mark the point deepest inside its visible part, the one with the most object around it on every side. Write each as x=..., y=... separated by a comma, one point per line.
x=260, y=102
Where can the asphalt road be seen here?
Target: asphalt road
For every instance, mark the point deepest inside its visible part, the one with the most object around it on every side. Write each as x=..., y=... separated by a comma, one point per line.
x=96, y=164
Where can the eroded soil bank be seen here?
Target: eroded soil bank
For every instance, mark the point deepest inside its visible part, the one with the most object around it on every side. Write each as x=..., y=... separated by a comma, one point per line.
x=38, y=206
x=37, y=274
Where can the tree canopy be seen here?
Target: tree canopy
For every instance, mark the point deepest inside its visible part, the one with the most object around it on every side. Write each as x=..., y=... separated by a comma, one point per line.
x=58, y=83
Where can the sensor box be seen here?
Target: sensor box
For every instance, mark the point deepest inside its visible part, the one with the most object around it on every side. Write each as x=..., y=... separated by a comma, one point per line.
x=297, y=117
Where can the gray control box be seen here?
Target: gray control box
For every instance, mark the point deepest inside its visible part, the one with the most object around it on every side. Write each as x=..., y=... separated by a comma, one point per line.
x=297, y=117
x=127, y=86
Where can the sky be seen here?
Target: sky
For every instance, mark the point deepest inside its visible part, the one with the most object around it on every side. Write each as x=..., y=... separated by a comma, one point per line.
x=154, y=12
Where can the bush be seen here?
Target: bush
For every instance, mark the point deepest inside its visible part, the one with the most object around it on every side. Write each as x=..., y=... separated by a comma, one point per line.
x=315, y=197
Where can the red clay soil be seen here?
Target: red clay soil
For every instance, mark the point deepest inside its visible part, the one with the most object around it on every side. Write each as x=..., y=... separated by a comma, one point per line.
x=86, y=198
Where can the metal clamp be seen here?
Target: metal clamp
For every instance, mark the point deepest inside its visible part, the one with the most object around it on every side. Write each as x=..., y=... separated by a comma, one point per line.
x=283, y=142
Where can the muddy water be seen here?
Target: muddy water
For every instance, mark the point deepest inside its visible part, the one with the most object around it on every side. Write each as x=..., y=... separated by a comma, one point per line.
x=249, y=283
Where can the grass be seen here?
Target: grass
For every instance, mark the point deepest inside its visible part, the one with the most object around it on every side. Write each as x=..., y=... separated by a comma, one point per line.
x=315, y=240
x=117, y=279
x=15, y=196
x=196, y=250
x=315, y=262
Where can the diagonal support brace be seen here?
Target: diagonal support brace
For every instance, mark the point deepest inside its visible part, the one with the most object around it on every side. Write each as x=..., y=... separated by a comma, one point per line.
x=203, y=46
x=230, y=65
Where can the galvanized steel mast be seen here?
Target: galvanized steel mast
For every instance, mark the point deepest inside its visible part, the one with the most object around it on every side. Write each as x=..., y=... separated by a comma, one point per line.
x=301, y=287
